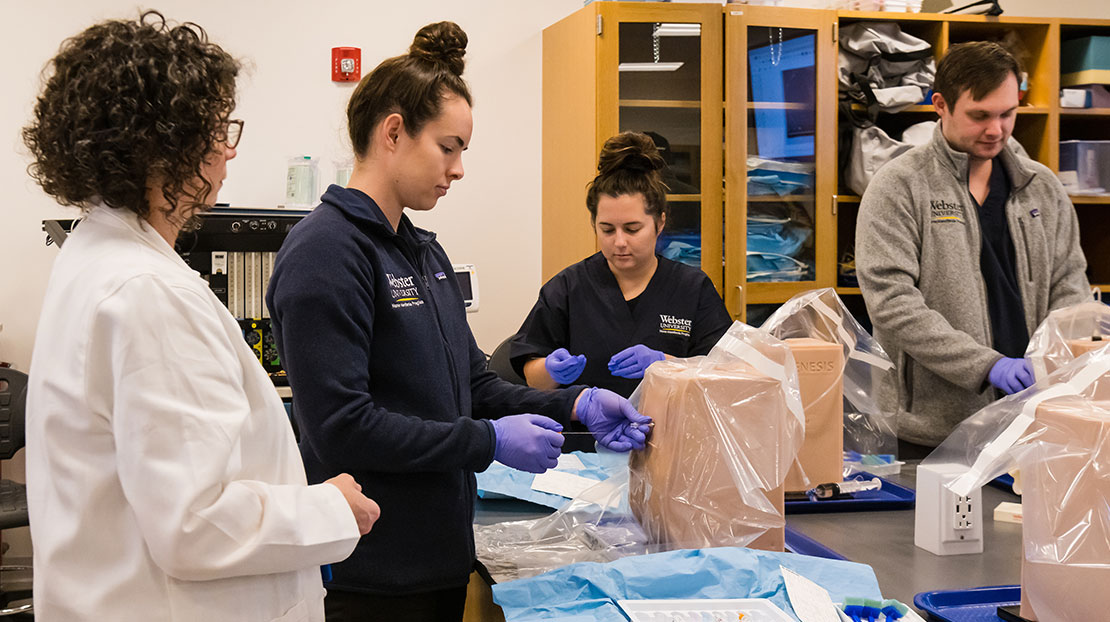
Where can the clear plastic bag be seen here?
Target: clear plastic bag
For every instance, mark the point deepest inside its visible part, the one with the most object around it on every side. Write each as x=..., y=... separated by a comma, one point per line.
x=596, y=526
x=737, y=454
x=728, y=427
x=820, y=314
x=1067, y=333
x=1057, y=433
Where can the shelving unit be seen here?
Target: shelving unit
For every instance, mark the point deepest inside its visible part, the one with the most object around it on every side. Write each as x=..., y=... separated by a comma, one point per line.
x=593, y=101
x=1041, y=122
x=588, y=99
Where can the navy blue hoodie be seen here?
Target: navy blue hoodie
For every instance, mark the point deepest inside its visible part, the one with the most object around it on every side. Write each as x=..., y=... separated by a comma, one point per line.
x=389, y=386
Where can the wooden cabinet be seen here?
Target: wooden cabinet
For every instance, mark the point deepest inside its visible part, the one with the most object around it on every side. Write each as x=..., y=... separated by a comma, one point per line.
x=780, y=153
x=777, y=103
x=649, y=67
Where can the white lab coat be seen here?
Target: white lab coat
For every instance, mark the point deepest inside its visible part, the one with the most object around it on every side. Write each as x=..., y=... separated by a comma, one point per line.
x=163, y=479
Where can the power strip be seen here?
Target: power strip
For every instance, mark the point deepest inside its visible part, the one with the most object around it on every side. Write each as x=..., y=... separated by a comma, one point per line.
x=944, y=523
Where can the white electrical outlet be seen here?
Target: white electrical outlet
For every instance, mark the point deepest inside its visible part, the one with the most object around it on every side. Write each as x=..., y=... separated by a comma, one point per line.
x=961, y=518
x=944, y=522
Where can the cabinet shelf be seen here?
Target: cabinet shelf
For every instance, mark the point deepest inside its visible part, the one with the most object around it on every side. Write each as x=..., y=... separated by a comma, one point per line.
x=683, y=198
x=849, y=291
x=779, y=106
x=659, y=103
x=931, y=108
x=1091, y=199
x=789, y=198
x=848, y=198
x=913, y=108
x=1085, y=112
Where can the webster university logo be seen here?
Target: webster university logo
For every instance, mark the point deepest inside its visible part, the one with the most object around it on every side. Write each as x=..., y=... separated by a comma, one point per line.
x=943, y=211
x=671, y=325
x=404, y=291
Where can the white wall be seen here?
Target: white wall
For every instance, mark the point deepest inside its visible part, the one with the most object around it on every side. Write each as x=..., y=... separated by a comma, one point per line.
x=1095, y=9
x=491, y=218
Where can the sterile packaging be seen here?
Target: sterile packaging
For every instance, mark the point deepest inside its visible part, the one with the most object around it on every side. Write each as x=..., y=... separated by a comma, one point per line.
x=728, y=427
x=590, y=592
x=1068, y=333
x=596, y=526
x=300, y=182
x=864, y=367
x=820, y=367
x=1058, y=433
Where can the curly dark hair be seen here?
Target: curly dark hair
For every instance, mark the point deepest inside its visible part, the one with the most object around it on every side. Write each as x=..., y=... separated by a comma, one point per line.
x=127, y=102
x=630, y=163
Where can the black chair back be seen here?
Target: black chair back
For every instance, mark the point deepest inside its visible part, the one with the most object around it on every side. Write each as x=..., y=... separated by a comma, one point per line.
x=500, y=365
x=13, y=408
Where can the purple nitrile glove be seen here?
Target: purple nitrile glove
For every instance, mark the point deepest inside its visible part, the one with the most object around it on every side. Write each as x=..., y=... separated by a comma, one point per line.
x=527, y=442
x=612, y=419
x=1011, y=375
x=633, y=362
x=563, y=367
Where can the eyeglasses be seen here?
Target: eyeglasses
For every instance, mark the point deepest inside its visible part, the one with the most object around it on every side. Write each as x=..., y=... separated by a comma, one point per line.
x=231, y=134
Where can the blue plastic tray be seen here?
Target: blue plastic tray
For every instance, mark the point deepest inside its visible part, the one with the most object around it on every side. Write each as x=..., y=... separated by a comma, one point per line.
x=1004, y=481
x=890, y=497
x=798, y=542
x=977, y=604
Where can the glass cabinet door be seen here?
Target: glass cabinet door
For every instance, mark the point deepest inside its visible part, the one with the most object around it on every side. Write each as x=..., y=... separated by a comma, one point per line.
x=667, y=79
x=778, y=190
x=781, y=158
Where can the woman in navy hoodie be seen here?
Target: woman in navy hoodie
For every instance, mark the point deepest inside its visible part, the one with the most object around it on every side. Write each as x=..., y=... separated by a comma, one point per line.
x=388, y=383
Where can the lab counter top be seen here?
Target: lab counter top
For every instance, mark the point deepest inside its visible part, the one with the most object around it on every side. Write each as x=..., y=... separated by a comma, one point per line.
x=883, y=540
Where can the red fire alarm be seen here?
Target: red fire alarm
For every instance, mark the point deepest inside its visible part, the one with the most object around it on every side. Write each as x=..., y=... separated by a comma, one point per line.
x=346, y=64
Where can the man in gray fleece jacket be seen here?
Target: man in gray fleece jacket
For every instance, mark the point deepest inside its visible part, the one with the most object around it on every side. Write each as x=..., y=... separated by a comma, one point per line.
x=962, y=249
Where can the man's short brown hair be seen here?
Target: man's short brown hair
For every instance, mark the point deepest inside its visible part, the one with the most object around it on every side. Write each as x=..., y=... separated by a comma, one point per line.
x=978, y=66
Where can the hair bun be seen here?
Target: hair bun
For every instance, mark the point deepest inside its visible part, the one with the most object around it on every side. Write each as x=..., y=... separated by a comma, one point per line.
x=443, y=43
x=633, y=152
x=639, y=163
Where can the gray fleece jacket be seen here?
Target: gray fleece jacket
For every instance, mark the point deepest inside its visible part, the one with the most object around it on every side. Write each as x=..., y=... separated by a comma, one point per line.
x=917, y=259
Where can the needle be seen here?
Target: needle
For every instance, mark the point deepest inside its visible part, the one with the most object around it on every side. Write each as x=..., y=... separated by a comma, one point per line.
x=635, y=426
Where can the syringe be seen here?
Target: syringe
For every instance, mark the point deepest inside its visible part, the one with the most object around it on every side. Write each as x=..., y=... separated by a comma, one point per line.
x=833, y=490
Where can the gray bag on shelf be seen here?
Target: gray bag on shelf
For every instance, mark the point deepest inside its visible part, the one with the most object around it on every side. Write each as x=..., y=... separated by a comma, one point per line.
x=884, y=68
x=872, y=148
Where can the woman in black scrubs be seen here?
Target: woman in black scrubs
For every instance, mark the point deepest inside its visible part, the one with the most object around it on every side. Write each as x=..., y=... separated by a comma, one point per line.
x=604, y=320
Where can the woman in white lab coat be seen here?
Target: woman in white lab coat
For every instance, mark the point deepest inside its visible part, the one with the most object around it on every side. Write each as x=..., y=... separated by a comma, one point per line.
x=163, y=479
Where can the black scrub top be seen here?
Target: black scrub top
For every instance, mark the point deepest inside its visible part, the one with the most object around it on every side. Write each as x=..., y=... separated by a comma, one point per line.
x=583, y=310
x=998, y=262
